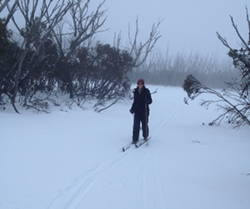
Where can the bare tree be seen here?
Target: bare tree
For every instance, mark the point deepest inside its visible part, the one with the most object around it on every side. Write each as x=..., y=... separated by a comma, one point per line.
x=141, y=50
x=235, y=101
x=85, y=23
x=35, y=31
x=117, y=40
x=235, y=109
x=81, y=27
x=12, y=9
x=3, y=4
x=241, y=57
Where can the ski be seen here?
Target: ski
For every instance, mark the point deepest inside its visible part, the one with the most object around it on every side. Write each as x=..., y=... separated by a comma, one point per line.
x=137, y=145
x=125, y=148
x=141, y=142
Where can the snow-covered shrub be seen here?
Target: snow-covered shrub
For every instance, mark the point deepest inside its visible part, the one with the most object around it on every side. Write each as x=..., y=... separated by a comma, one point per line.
x=235, y=100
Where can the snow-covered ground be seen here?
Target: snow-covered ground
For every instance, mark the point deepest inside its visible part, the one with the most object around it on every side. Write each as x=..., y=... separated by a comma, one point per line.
x=73, y=160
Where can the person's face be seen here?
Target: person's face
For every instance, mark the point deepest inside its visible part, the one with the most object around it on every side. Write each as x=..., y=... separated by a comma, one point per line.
x=140, y=85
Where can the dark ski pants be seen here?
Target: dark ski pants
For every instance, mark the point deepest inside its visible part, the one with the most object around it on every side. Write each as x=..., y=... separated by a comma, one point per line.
x=140, y=119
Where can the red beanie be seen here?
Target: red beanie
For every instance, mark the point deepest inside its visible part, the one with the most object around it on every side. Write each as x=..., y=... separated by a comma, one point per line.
x=140, y=81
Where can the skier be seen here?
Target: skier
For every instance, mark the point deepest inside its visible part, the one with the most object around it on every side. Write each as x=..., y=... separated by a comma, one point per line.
x=140, y=109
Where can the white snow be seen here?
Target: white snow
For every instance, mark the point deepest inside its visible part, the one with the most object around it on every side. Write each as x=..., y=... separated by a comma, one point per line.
x=73, y=160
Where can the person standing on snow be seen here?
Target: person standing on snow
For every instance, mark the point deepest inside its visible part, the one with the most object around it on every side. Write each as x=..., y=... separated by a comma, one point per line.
x=140, y=109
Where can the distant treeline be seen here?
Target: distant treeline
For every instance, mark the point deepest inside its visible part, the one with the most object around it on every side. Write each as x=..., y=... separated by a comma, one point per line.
x=172, y=71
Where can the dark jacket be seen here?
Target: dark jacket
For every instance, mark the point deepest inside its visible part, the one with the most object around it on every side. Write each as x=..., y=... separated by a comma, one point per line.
x=141, y=101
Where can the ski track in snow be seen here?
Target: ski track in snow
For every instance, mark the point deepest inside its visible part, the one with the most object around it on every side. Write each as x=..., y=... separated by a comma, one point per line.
x=87, y=180
x=144, y=176
x=75, y=192
x=147, y=179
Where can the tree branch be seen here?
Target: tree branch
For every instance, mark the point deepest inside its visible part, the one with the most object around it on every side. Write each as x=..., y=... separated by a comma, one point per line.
x=238, y=33
x=3, y=5
x=140, y=51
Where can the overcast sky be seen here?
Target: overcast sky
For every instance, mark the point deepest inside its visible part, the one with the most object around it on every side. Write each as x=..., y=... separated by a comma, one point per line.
x=188, y=25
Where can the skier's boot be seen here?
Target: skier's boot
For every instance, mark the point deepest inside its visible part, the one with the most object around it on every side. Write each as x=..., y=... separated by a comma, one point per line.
x=134, y=142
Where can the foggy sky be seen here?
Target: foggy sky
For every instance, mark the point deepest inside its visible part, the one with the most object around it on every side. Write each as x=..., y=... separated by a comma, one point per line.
x=188, y=25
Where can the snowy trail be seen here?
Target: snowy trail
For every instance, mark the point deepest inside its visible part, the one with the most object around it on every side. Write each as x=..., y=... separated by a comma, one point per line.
x=74, y=160
x=74, y=194
x=141, y=178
